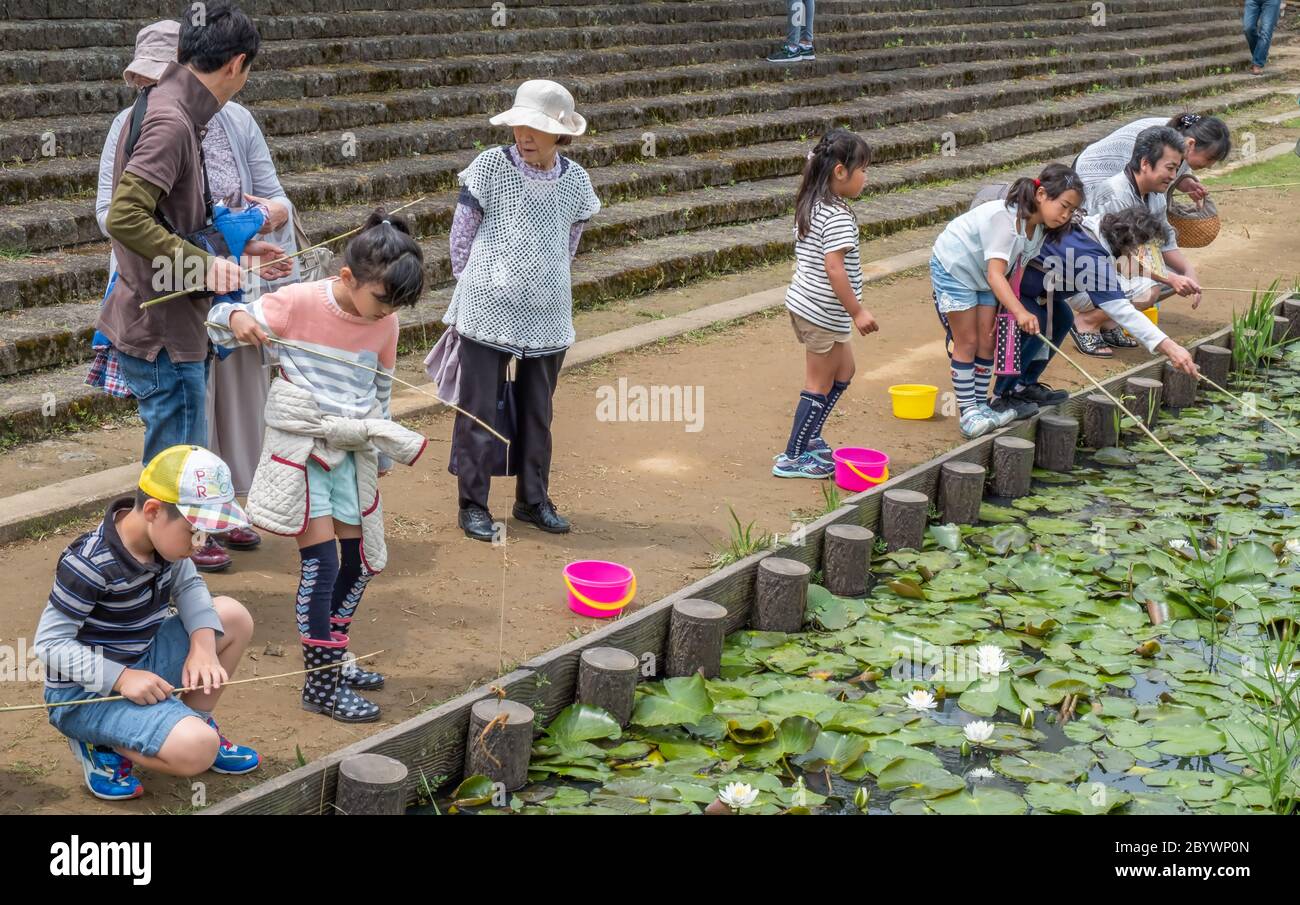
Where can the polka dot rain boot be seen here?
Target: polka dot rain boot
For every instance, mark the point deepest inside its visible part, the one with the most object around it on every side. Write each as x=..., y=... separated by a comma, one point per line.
x=324, y=690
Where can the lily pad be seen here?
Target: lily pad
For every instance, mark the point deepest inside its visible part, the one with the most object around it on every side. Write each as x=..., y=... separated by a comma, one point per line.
x=980, y=801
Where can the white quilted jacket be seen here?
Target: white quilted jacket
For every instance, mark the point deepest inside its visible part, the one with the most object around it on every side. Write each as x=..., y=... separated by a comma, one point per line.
x=297, y=430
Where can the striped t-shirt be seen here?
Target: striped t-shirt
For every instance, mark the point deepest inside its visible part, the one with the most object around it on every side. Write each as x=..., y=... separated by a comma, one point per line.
x=307, y=315
x=833, y=228
x=106, y=606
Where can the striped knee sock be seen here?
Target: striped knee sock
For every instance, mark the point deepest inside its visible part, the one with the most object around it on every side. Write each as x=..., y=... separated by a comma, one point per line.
x=963, y=384
x=320, y=568
x=811, y=406
x=983, y=374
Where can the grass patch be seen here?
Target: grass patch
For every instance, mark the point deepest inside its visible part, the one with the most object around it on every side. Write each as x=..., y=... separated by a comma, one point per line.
x=1279, y=169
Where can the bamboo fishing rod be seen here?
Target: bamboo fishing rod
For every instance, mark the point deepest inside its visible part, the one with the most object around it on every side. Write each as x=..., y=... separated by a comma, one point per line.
x=249, y=271
x=178, y=691
x=1283, y=428
x=356, y=364
x=1138, y=421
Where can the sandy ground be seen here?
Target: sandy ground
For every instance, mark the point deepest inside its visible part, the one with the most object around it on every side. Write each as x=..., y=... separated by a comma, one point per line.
x=450, y=612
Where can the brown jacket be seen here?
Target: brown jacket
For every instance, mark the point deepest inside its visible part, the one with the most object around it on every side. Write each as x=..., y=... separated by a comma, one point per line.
x=164, y=168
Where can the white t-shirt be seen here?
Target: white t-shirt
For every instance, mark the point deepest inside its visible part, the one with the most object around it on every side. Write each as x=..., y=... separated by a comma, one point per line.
x=980, y=235
x=833, y=228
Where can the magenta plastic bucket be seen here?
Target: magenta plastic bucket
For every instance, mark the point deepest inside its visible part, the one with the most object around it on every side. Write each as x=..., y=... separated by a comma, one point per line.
x=857, y=468
x=598, y=588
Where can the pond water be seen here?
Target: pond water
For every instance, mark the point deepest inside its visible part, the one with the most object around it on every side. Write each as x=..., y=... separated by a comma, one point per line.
x=1010, y=666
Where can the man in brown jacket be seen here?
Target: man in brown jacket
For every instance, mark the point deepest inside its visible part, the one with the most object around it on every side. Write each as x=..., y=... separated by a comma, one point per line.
x=159, y=198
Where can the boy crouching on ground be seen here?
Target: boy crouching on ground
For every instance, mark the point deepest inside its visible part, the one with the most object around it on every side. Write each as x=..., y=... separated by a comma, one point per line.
x=107, y=630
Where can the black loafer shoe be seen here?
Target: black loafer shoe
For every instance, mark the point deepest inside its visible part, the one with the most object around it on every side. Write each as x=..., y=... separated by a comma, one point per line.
x=1042, y=394
x=1022, y=407
x=477, y=523
x=544, y=516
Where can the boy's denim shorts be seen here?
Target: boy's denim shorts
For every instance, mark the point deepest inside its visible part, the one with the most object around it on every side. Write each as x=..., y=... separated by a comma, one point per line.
x=124, y=724
x=950, y=294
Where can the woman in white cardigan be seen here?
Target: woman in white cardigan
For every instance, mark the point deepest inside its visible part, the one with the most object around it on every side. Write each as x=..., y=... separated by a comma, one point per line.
x=240, y=171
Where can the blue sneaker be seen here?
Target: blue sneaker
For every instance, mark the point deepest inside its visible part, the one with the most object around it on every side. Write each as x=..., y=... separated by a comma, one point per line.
x=107, y=773
x=231, y=758
x=820, y=448
x=805, y=466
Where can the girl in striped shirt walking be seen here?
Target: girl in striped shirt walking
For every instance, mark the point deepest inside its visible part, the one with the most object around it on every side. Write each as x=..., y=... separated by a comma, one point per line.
x=823, y=296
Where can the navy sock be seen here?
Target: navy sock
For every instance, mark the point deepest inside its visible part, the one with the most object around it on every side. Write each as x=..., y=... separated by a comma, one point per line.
x=837, y=390
x=352, y=580
x=320, y=568
x=806, y=417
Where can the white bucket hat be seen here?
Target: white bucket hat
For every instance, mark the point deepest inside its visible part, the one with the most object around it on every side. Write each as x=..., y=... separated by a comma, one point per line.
x=155, y=47
x=543, y=105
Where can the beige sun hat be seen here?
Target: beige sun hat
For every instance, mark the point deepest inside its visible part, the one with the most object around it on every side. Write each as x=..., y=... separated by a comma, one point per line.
x=155, y=47
x=543, y=105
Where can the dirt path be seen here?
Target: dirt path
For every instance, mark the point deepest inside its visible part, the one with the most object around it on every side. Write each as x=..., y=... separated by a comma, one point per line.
x=651, y=495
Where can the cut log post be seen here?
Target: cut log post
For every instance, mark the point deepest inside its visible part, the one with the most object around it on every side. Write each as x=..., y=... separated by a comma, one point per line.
x=1142, y=398
x=371, y=784
x=1055, y=442
x=961, y=491
x=1179, y=388
x=695, y=633
x=1215, y=362
x=607, y=678
x=1281, y=326
x=1013, y=466
x=780, y=595
x=846, y=560
x=500, y=742
x=903, y=515
x=1291, y=309
x=1100, y=422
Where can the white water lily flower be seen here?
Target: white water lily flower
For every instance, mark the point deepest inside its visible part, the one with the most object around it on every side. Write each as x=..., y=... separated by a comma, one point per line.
x=990, y=661
x=1293, y=546
x=920, y=699
x=1182, y=546
x=738, y=795
x=980, y=774
x=978, y=732
x=1283, y=674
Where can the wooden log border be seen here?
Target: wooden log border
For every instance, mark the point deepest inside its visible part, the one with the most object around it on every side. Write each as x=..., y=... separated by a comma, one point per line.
x=433, y=743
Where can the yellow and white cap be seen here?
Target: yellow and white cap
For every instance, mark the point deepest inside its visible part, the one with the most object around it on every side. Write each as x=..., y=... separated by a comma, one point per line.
x=198, y=483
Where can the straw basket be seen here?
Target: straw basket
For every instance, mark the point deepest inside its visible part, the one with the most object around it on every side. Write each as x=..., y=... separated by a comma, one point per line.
x=1196, y=227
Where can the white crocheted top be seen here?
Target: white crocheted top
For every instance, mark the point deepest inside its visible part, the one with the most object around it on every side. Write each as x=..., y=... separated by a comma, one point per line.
x=515, y=289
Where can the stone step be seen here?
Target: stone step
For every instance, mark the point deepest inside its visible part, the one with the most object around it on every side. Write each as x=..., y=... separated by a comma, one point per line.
x=64, y=176
x=62, y=34
x=55, y=223
x=758, y=36
x=18, y=10
x=636, y=238
x=858, y=51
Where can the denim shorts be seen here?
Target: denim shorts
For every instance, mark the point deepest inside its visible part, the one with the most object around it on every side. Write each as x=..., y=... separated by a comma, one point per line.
x=124, y=724
x=333, y=491
x=950, y=294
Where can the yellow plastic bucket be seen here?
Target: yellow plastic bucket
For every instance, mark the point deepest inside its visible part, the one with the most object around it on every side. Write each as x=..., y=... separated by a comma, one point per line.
x=914, y=401
x=1153, y=313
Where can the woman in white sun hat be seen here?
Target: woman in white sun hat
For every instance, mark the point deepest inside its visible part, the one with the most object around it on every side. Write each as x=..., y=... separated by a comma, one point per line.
x=516, y=229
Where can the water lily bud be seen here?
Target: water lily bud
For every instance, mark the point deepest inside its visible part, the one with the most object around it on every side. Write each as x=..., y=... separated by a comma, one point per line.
x=965, y=749
x=1027, y=718
x=860, y=798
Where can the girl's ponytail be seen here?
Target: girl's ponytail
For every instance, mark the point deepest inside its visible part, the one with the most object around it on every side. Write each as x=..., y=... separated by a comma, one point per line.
x=838, y=146
x=384, y=253
x=1056, y=179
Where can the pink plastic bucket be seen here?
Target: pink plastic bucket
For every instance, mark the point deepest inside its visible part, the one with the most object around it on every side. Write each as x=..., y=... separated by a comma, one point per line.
x=599, y=589
x=858, y=469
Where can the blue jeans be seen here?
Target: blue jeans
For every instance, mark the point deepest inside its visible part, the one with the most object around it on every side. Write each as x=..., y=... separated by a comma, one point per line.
x=801, y=21
x=172, y=400
x=1031, y=364
x=1258, y=22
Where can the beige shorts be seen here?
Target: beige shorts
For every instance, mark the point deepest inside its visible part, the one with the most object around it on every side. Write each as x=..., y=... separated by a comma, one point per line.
x=818, y=340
